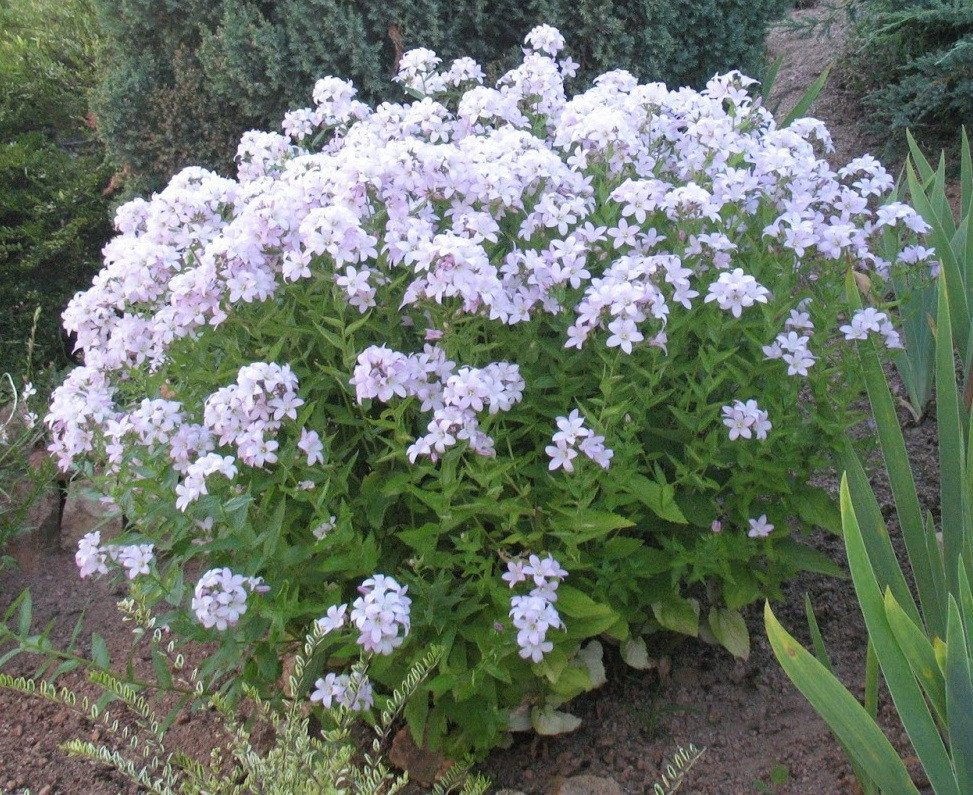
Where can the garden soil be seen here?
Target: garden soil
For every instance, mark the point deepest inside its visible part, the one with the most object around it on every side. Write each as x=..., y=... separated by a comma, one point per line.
x=758, y=732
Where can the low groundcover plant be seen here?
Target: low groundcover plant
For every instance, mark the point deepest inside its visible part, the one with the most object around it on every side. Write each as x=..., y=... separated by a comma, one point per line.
x=560, y=368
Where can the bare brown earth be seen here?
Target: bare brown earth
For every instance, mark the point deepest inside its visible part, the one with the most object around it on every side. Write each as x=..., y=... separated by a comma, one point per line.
x=751, y=721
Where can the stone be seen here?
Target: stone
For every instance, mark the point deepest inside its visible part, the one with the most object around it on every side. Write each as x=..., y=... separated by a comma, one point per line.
x=585, y=785
x=84, y=512
x=424, y=767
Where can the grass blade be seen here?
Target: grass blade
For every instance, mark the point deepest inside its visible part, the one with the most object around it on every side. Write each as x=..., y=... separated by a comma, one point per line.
x=919, y=652
x=820, y=650
x=807, y=98
x=885, y=563
x=941, y=240
x=966, y=175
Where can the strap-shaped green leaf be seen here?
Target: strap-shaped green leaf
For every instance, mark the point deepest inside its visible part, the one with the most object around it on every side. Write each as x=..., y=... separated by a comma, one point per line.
x=959, y=697
x=918, y=650
x=906, y=694
x=847, y=719
x=952, y=458
x=900, y=475
x=876, y=535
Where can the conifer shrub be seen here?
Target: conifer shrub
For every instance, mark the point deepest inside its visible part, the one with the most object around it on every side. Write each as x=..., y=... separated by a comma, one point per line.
x=185, y=78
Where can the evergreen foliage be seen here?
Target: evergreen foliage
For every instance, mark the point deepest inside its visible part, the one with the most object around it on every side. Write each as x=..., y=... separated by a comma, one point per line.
x=53, y=214
x=914, y=59
x=185, y=78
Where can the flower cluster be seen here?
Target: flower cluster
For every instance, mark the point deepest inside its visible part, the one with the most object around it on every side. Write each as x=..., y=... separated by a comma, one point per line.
x=871, y=320
x=571, y=436
x=746, y=420
x=220, y=597
x=381, y=614
x=93, y=557
x=206, y=244
x=454, y=396
x=353, y=691
x=534, y=614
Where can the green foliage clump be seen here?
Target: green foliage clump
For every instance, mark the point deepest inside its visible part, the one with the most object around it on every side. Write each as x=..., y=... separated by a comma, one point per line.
x=184, y=78
x=913, y=60
x=53, y=214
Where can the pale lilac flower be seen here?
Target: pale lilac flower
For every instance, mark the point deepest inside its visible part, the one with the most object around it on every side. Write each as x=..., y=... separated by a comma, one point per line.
x=760, y=527
x=336, y=618
x=136, y=559
x=91, y=558
x=310, y=444
x=735, y=291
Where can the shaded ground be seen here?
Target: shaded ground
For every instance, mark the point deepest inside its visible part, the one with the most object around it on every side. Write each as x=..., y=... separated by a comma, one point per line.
x=747, y=715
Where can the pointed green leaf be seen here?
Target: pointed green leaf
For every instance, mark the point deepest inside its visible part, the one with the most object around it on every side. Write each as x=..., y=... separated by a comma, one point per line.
x=729, y=628
x=855, y=730
x=952, y=460
x=875, y=533
x=817, y=642
x=919, y=653
x=908, y=698
x=807, y=99
x=900, y=475
x=99, y=651
x=959, y=696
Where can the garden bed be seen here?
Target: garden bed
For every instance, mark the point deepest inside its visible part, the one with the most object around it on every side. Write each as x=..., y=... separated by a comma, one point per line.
x=754, y=724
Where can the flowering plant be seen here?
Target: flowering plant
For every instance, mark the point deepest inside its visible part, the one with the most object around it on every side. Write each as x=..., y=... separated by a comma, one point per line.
x=561, y=366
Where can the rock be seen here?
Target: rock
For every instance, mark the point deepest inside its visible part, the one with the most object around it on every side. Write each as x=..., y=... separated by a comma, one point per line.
x=506, y=791
x=84, y=512
x=584, y=785
x=45, y=790
x=423, y=766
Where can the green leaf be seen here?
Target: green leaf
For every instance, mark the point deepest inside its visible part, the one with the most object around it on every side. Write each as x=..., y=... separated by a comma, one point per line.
x=820, y=650
x=163, y=675
x=729, y=628
x=959, y=696
x=807, y=558
x=99, y=651
x=807, y=99
x=24, y=614
x=635, y=654
x=658, y=498
x=941, y=238
x=817, y=507
x=952, y=461
x=908, y=698
x=900, y=475
x=591, y=656
x=591, y=617
x=847, y=719
x=884, y=560
x=587, y=525
x=919, y=653
x=548, y=722
x=678, y=614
